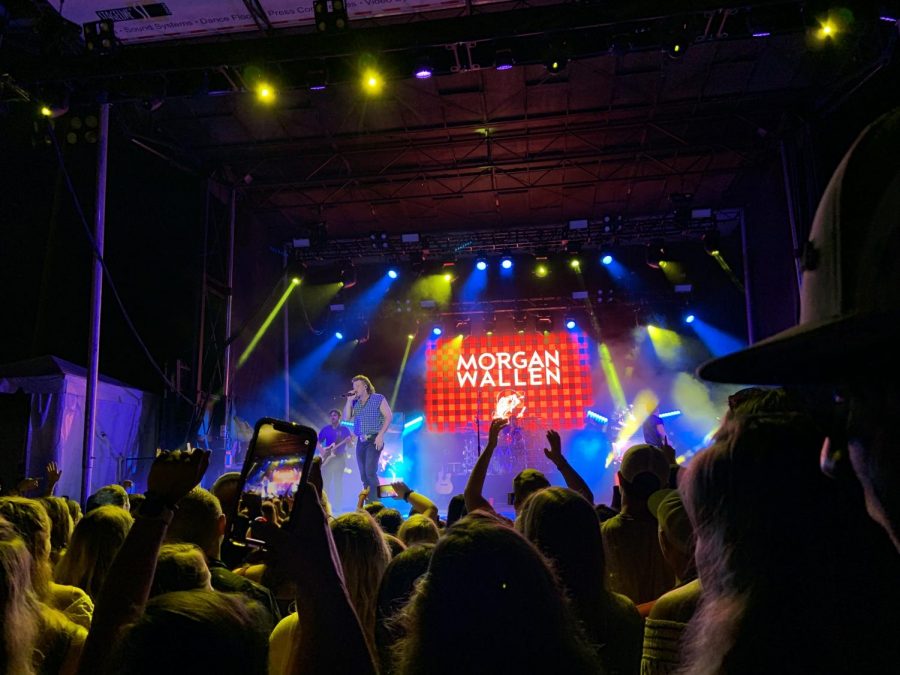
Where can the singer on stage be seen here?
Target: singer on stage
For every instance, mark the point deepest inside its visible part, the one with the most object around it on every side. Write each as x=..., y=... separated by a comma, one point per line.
x=371, y=417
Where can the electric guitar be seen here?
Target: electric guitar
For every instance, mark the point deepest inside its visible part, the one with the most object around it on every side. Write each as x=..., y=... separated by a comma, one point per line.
x=328, y=451
x=443, y=485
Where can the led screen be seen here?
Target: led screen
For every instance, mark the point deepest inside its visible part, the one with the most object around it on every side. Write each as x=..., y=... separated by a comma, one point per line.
x=543, y=381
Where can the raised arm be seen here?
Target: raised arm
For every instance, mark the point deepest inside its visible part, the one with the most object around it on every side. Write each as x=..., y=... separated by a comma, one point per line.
x=419, y=502
x=53, y=476
x=127, y=587
x=475, y=484
x=573, y=479
x=329, y=636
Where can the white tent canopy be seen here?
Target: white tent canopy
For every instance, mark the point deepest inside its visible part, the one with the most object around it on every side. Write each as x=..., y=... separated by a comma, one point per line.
x=126, y=433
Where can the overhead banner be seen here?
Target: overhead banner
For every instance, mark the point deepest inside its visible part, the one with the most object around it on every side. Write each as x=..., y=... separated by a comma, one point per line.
x=542, y=381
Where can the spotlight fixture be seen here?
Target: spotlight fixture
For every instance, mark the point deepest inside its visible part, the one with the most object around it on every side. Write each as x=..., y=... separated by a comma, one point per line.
x=490, y=323
x=575, y=264
x=655, y=255
x=392, y=273
x=556, y=65
x=481, y=264
x=339, y=335
x=100, y=37
x=372, y=81
x=711, y=242
x=606, y=259
x=437, y=331
x=543, y=323
x=689, y=318
x=464, y=327
x=520, y=322
x=423, y=69
x=506, y=262
x=570, y=323
x=265, y=92
x=540, y=270
x=316, y=79
x=503, y=59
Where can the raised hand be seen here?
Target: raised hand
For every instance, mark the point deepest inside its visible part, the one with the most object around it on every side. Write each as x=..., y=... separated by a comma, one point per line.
x=54, y=473
x=554, y=452
x=400, y=487
x=26, y=485
x=174, y=474
x=496, y=426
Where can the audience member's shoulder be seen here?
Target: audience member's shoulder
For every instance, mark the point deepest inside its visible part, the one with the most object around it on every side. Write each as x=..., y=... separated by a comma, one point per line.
x=73, y=602
x=622, y=608
x=280, y=642
x=679, y=604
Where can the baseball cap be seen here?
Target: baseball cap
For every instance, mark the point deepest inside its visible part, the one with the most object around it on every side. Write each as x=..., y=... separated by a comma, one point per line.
x=850, y=295
x=644, y=458
x=668, y=509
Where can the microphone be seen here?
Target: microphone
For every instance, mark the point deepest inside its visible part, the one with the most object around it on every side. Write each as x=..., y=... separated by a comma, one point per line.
x=349, y=394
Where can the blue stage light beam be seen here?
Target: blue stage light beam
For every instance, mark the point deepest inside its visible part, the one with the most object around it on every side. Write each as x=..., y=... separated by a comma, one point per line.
x=717, y=342
x=597, y=417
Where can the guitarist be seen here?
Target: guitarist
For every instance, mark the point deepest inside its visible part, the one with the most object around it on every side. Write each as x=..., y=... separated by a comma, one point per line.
x=333, y=439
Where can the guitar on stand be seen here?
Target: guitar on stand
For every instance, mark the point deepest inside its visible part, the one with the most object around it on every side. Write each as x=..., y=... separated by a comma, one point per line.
x=443, y=485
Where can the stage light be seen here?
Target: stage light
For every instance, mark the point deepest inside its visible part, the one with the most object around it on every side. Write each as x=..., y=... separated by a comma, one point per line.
x=392, y=273
x=339, y=335
x=423, y=69
x=464, y=327
x=606, y=259
x=481, y=264
x=575, y=264
x=265, y=93
x=436, y=331
x=520, y=322
x=570, y=324
x=711, y=242
x=372, y=81
x=689, y=318
x=543, y=323
x=448, y=277
x=541, y=270
x=503, y=59
x=316, y=80
x=46, y=112
x=828, y=30
x=296, y=281
x=506, y=262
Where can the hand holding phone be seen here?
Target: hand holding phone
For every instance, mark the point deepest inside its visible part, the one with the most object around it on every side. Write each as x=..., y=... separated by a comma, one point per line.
x=387, y=491
x=277, y=464
x=174, y=474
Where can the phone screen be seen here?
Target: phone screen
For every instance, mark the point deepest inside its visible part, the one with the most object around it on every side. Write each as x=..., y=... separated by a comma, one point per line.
x=274, y=468
x=387, y=491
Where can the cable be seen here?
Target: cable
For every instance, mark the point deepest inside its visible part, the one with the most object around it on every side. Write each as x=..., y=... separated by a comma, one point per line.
x=106, y=273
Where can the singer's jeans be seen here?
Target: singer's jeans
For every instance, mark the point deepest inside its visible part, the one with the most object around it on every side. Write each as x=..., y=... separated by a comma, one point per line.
x=367, y=460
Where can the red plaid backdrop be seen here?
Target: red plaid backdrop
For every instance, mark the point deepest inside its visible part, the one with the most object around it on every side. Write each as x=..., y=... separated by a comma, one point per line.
x=554, y=395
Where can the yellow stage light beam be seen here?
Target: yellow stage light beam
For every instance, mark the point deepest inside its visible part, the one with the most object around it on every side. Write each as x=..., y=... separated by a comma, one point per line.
x=612, y=377
x=372, y=81
x=268, y=322
x=666, y=343
x=644, y=403
x=409, y=341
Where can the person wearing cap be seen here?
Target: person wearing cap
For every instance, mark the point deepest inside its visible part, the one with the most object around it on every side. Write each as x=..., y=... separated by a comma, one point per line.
x=635, y=566
x=668, y=616
x=849, y=324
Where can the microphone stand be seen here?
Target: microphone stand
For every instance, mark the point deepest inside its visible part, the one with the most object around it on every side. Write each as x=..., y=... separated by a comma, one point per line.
x=478, y=427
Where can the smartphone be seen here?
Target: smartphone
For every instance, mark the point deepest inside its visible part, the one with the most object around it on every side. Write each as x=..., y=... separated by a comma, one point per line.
x=510, y=498
x=275, y=467
x=387, y=491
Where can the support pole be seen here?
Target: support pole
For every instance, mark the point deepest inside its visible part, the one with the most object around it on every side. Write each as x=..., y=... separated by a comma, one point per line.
x=748, y=300
x=90, y=394
x=229, y=303
x=287, y=345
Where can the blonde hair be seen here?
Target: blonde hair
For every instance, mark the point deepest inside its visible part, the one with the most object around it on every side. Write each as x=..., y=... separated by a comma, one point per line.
x=418, y=529
x=96, y=540
x=18, y=605
x=364, y=557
